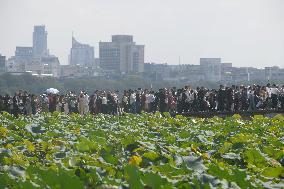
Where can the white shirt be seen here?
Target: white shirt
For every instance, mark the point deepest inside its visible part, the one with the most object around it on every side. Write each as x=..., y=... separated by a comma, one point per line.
x=104, y=100
x=81, y=99
x=187, y=93
x=132, y=98
x=86, y=100
x=125, y=99
x=151, y=98
x=147, y=98
x=274, y=90
x=115, y=98
x=268, y=90
x=281, y=91
x=191, y=97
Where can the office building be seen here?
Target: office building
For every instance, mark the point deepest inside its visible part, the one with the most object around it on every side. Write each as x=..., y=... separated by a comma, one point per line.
x=122, y=55
x=2, y=64
x=24, y=53
x=81, y=54
x=274, y=74
x=40, y=41
x=51, y=66
x=211, y=68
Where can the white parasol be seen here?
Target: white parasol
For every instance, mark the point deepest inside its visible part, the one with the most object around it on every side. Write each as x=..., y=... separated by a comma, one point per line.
x=52, y=91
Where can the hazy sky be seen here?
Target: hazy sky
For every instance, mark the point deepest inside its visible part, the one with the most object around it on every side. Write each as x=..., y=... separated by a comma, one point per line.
x=244, y=32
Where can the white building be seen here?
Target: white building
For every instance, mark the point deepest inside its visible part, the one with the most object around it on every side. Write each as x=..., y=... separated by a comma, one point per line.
x=43, y=66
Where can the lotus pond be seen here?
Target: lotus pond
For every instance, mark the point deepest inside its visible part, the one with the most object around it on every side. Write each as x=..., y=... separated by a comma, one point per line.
x=140, y=151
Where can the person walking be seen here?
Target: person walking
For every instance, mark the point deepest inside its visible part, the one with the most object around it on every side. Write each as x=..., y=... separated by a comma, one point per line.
x=15, y=105
x=86, y=103
x=251, y=97
x=221, y=98
x=133, y=102
x=104, y=103
x=81, y=103
x=274, y=96
x=281, y=97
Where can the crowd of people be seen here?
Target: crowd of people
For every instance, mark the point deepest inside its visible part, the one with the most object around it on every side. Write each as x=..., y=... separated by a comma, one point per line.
x=184, y=100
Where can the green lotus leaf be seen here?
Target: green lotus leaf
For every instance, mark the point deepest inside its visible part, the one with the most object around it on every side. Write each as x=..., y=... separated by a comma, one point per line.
x=273, y=172
x=133, y=177
x=151, y=155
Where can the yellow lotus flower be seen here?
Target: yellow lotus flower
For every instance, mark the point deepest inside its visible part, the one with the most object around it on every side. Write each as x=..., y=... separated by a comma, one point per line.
x=3, y=132
x=135, y=160
x=205, y=156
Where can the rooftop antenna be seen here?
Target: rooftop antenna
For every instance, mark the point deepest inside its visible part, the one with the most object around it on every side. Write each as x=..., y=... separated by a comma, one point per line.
x=73, y=38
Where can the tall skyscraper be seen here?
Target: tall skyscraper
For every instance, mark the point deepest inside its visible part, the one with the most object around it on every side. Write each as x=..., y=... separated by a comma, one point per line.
x=40, y=41
x=211, y=68
x=81, y=54
x=122, y=54
x=2, y=63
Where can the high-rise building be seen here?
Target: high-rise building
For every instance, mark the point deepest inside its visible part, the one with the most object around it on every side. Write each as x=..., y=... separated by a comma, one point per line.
x=2, y=63
x=211, y=68
x=23, y=56
x=122, y=55
x=81, y=54
x=40, y=41
x=24, y=53
x=35, y=60
x=226, y=67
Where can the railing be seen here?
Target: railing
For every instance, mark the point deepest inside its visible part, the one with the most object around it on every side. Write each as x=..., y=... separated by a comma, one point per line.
x=208, y=114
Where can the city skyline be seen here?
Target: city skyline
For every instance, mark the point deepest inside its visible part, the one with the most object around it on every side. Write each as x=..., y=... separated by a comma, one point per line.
x=241, y=32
